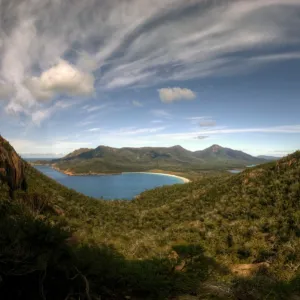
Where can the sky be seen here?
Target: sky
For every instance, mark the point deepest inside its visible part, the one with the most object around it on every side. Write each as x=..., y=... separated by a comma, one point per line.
x=134, y=73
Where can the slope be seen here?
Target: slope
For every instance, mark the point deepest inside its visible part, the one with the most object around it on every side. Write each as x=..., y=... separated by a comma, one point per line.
x=172, y=241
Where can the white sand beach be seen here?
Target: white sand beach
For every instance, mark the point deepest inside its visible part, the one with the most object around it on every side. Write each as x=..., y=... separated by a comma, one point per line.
x=185, y=180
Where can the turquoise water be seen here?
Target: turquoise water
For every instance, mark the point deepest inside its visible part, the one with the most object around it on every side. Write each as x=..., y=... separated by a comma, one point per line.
x=123, y=186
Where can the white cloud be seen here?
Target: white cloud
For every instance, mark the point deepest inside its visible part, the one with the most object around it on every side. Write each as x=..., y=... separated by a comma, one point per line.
x=34, y=85
x=6, y=91
x=61, y=78
x=137, y=103
x=169, y=95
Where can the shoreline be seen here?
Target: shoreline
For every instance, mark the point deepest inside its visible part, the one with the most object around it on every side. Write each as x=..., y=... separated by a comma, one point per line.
x=69, y=173
x=185, y=180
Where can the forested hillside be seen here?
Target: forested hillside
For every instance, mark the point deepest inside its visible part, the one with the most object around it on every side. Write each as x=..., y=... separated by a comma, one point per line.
x=225, y=237
x=105, y=159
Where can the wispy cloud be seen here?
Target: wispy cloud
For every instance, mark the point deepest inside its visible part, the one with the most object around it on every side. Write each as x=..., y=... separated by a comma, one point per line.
x=287, y=129
x=138, y=43
x=207, y=123
x=84, y=123
x=6, y=91
x=201, y=137
x=136, y=131
x=274, y=129
x=161, y=113
x=41, y=115
x=96, y=129
x=92, y=108
x=199, y=48
x=137, y=103
x=198, y=120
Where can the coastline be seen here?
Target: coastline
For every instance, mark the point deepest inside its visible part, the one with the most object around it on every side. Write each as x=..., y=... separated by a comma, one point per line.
x=185, y=180
x=70, y=173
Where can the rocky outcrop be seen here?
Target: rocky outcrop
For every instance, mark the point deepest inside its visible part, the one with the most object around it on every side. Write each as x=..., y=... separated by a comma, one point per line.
x=12, y=168
x=247, y=270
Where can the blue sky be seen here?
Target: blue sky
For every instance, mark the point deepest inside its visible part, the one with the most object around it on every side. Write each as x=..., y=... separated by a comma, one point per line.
x=150, y=73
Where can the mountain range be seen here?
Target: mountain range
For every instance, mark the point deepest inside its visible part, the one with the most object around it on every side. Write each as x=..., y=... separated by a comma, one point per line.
x=104, y=159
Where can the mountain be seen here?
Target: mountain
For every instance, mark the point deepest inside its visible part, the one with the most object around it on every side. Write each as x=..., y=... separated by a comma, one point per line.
x=222, y=237
x=105, y=159
x=268, y=157
x=216, y=152
x=77, y=152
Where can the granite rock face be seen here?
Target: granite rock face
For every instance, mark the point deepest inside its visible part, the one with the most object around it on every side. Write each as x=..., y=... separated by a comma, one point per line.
x=12, y=167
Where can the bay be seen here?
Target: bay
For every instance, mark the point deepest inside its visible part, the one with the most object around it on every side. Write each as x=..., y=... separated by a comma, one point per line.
x=122, y=186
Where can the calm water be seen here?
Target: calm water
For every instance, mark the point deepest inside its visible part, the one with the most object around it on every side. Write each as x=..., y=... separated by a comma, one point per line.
x=235, y=171
x=123, y=186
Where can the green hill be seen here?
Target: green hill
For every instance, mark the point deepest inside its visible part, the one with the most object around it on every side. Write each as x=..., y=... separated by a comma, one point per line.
x=105, y=159
x=225, y=237
x=77, y=152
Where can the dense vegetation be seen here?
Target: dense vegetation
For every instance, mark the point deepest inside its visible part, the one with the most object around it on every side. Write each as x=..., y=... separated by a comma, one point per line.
x=112, y=160
x=182, y=241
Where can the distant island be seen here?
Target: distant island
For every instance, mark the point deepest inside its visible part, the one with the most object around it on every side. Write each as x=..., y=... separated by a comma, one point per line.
x=170, y=160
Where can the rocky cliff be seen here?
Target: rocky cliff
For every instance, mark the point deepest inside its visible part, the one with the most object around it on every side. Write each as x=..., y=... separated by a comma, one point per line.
x=12, y=168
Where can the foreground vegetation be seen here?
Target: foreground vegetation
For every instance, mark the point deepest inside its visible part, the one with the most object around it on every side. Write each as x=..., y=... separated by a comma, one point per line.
x=181, y=241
